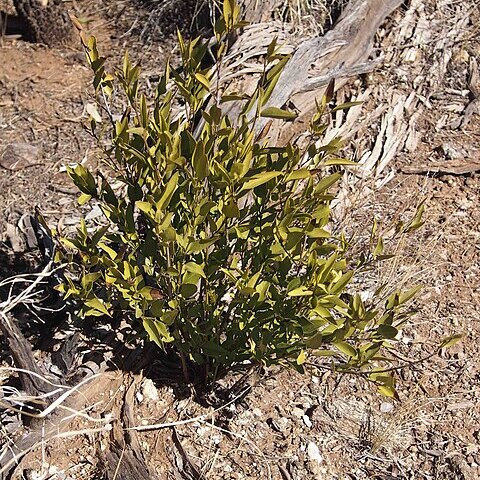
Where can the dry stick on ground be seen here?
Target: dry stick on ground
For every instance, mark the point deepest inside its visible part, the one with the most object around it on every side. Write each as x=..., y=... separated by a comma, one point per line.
x=22, y=354
x=455, y=167
x=35, y=383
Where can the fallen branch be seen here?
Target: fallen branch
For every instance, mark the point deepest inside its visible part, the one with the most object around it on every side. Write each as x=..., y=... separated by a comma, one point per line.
x=445, y=168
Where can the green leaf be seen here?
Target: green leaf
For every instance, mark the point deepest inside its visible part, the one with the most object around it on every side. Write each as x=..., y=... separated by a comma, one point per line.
x=98, y=305
x=203, y=80
x=319, y=233
x=379, y=248
x=200, y=161
x=327, y=182
x=231, y=210
x=145, y=207
x=299, y=174
x=199, y=245
x=157, y=331
x=259, y=179
x=316, y=341
x=227, y=11
x=387, y=331
x=300, y=292
x=337, y=161
x=346, y=348
x=168, y=192
x=451, y=341
x=302, y=356
x=417, y=220
x=324, y=353
x=188, y=289
x=345, y=106
x=341, y=283
x=408, y=295
x=388, y=391
x=194, y=268
x=110, y=251
x=169, y=317
x=274, y=112
x=84, y=198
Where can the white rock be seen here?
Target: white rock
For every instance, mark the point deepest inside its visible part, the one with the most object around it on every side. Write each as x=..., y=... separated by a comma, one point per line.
x=139, y=397
x=386, y=407
x=307, y=421
x=95, y=212
x=297, y=412
x=149, y=390
x=314, y=453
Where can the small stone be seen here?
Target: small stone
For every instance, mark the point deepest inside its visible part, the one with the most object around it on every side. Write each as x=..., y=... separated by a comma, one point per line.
x=139, y=397
x=17, y=156
x=149, y=390
x=15, y=238
x=257, y=412
x=313, y=453
x=452, y=152
x=386, y=407
x=307, y=421
x=297, y=412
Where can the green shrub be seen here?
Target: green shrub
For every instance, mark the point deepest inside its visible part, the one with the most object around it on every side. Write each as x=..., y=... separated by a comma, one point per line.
x=217, y=241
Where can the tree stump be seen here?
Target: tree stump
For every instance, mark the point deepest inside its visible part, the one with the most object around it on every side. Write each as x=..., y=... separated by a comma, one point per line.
x=46, y=21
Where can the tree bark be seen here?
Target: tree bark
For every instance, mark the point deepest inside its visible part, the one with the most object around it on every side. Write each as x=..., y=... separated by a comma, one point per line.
x=46, y=21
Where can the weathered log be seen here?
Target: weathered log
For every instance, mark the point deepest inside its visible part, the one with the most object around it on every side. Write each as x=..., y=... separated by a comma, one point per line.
x=46, y=21
x=341, y=53
x=29, y=372
x=124, y=459
x=346, y=46
x=56, y=424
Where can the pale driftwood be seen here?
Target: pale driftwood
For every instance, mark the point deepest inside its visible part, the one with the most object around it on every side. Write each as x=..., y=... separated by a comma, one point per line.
x=341, y=53
x=347, y=45
x=54, y=426
x=445, y=168
x=340, y=72
x=258, y=11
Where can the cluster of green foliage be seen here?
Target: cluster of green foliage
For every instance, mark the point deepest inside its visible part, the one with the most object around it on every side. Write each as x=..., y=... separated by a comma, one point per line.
x=217, y=242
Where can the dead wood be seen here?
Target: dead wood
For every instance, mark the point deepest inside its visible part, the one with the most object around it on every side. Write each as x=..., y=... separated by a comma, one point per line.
x=474, y=85
x=55, y=425
x=446, y=168
x=23, y=358
x=341, y=53
x=255, y=11
x=46, y=22
x=346, y=46
x=124, y=459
